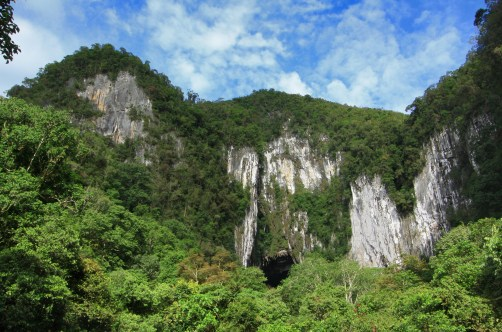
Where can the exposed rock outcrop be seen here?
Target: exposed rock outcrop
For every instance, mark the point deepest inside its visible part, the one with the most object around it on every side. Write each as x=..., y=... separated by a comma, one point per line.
x=123, y=104
x=376, y=225
x=437, y=191
x=243, y=166
x=288, y=162
x=380, y=235
x=479, y=126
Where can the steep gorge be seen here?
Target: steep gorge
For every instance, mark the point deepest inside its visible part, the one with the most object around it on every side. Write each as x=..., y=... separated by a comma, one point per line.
x=126, y=206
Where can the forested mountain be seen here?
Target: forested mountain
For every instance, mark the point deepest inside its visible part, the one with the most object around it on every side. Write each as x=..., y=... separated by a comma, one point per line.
x=125, y=205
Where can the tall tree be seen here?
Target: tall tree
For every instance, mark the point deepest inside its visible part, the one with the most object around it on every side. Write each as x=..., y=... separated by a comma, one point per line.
x=7, y=28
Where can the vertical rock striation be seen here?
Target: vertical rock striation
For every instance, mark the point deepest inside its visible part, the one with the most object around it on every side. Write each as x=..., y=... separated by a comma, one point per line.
x=299, y=239
x=123, y=104
x=288, y=162
x=475, y=133
x=376, y=226
x=243, y=166
x=437, y=192
x=380, y=235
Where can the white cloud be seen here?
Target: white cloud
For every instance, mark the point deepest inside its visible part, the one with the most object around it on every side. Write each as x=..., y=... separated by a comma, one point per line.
x=292, y=83
x=114, y=20
x=339, y=91
x=423, y=17
x=379, y=53
x=38, y=46
x=304, y=6
x=215, y=49
x=173, y=26
x=359, y=92
x=369, y=62
x=52, y=12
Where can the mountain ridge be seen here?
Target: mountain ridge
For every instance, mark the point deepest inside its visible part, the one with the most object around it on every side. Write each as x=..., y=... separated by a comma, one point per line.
x=138, y=208
x=374, y=143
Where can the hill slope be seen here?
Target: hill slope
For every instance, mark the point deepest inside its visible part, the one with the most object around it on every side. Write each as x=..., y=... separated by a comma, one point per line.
x=105, y=218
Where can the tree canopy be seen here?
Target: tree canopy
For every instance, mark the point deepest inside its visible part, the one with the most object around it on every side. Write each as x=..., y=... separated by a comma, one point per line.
x=92, y=238
x=7, y=29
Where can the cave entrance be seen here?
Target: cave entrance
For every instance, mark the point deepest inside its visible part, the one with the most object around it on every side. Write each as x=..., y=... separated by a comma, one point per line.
x=277, y=268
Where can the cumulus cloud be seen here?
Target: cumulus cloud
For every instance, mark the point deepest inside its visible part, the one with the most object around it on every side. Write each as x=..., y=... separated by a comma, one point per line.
x=215, y=49
x=370, y=62
x=292, y=83
x=377, y=53
x=52, y=12
x=49, y=30
x=358, y=55
x=38, y=46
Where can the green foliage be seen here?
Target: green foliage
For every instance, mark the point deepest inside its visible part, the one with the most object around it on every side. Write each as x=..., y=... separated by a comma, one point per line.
x=249, y=309
x=328, y=214
x=34, y=296
x=346, y=276
x=421, y=310
x=8, y=28
x=369, y=140
x=92, y=308
x=130, y=183
x=39, y=141
x=215, y=268
x=463, y=97
x=195, y=311
x=39, y=246
x=75, y=256
x=92, y=240
x=129, y=290
x=250, y=278
x=57, y=83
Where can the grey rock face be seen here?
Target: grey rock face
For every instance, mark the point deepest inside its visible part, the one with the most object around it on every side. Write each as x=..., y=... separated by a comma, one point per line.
x=288, y=161
x=376, y=225
x=475, y=134
x=300, y=240
x=436, y=191
x=243, y=166
x=123, y=104
x=380, y=235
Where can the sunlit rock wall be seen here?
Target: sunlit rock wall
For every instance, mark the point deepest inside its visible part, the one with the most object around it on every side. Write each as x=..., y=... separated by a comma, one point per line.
x=376, y=225
x=123, y=104
x=243, y=166
x=437, y=192
x=380, y=235
x=288, y=162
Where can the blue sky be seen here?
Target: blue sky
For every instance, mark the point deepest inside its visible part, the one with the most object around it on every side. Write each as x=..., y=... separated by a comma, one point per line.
x=375, y=53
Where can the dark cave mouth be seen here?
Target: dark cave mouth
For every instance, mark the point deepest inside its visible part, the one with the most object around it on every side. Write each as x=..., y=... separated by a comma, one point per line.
x=276, y=269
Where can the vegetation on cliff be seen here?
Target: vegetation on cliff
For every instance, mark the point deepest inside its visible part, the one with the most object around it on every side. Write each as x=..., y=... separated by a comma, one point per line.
x=92, y=239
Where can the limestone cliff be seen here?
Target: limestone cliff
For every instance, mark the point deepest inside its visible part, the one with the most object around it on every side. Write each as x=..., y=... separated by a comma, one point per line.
x=123, y=104
x=376, y=226
x=287, y=162
x=243, y=166
x=380, y=235
x=290, y=161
